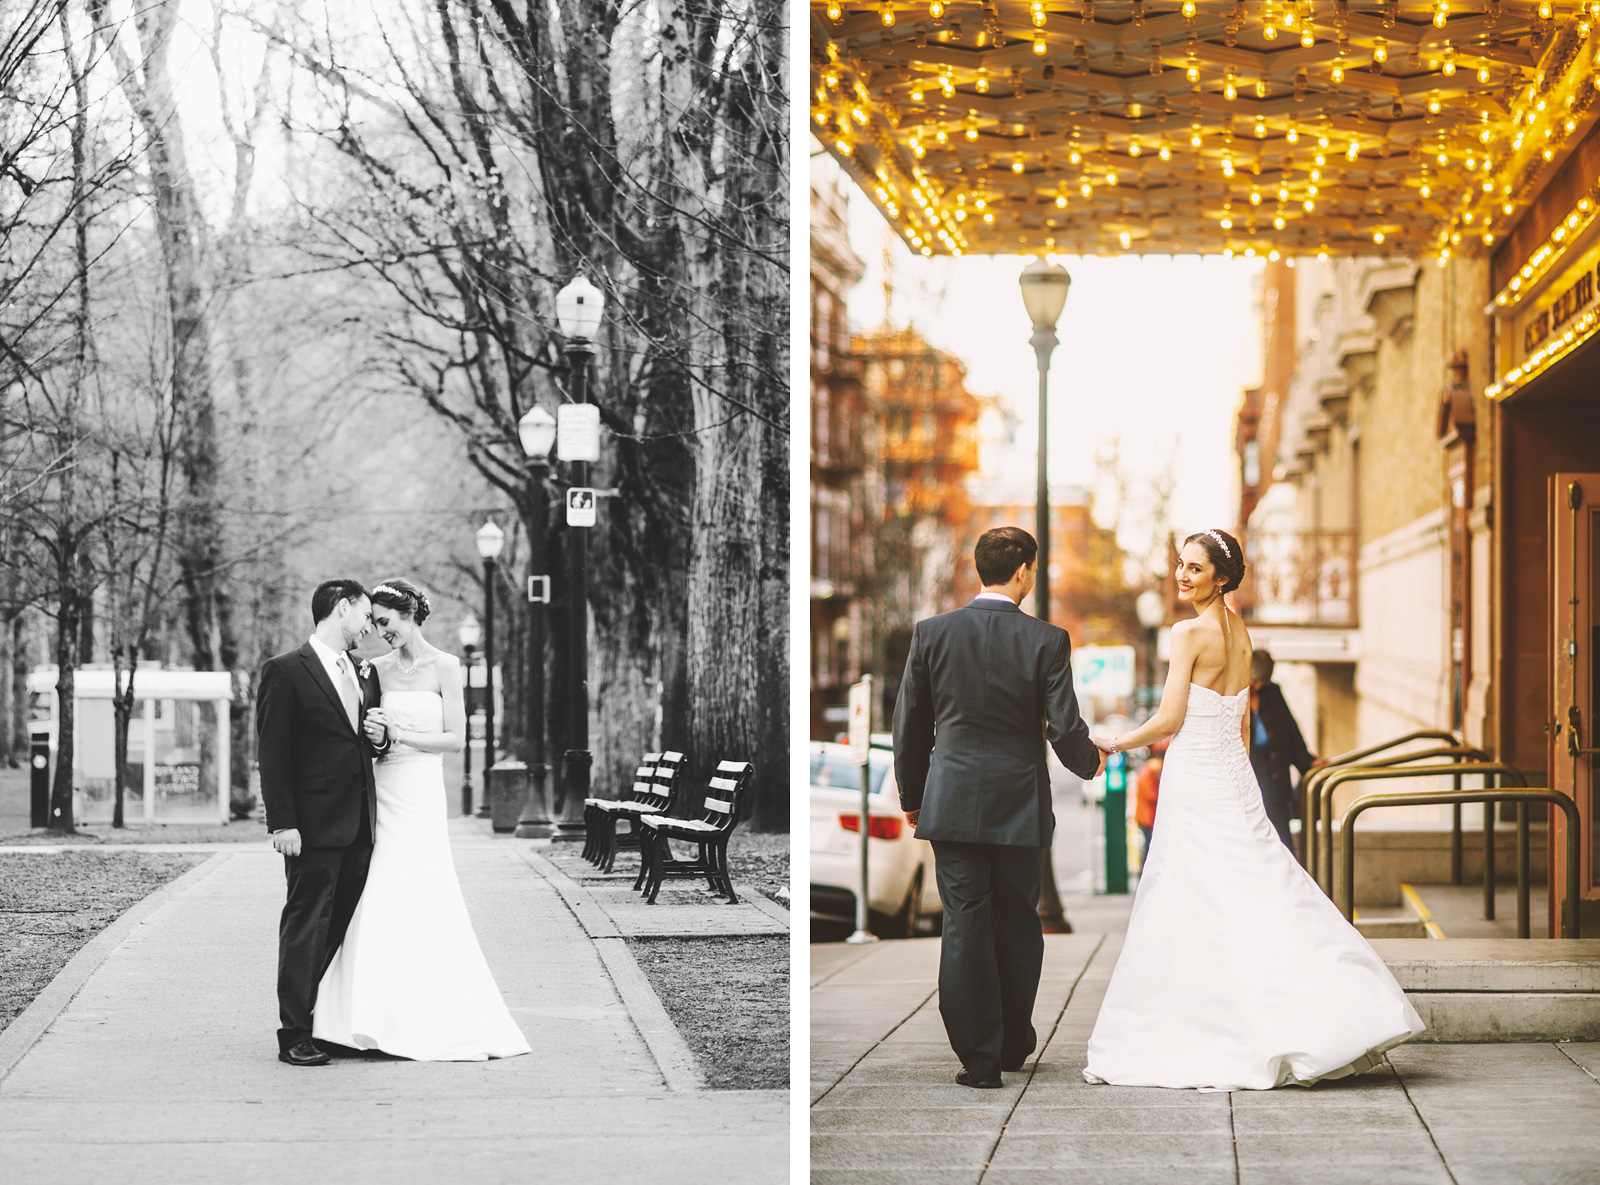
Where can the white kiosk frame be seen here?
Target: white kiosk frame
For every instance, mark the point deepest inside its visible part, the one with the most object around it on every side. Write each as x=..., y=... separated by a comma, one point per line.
x=149, y=685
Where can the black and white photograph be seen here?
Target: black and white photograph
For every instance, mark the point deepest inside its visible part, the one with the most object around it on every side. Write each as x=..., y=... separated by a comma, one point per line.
x=395, y=611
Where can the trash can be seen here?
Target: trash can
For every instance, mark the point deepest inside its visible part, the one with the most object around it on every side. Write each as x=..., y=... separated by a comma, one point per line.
x=508, y=792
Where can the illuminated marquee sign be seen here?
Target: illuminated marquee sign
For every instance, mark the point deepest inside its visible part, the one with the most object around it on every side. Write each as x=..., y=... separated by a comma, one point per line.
x=1544, y=324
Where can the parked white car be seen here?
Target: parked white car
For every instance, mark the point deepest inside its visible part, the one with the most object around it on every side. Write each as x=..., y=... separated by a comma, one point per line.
x=902, y=899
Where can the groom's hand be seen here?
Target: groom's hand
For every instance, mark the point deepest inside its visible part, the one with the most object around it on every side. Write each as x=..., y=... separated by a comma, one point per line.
x=911, y=818
x=1103, y=757
x=376, y=726
x=287, y=841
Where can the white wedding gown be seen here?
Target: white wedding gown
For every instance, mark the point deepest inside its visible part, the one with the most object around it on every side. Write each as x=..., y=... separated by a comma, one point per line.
x=1238, y=973
x=409, y=978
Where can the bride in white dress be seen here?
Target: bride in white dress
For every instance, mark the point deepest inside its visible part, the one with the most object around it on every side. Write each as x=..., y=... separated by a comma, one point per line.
x=409, y=978
x=1237, y=972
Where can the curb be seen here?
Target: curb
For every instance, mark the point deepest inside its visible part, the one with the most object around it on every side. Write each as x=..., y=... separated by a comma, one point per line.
x=32, y=1023
x=672, y=1054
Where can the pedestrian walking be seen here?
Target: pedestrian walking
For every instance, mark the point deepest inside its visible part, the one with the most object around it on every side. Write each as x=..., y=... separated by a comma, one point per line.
x=1275, y=745
x=1146, y=788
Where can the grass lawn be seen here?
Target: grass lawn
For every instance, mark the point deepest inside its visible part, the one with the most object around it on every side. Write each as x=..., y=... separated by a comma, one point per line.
x=51, y=904
x=729, y=998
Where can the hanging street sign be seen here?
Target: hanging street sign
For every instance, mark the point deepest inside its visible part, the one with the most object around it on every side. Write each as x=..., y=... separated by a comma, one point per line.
x=578, y=432
x=580, y=507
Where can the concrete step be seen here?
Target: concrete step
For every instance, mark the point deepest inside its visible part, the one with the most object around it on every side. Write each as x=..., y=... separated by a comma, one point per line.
x=1499, y=989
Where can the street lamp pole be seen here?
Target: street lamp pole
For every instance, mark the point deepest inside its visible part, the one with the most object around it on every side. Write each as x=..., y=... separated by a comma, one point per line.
x=490, y=540
x=578, y=310
x=537, y=431
x=1044, y=295
x=1151, y=608
x=470, y=634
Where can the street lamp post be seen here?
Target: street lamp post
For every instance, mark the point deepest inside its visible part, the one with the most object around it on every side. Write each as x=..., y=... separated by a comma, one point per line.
x=537, y=432
x=470, y=635
x=578, y=309
x=1044, y=295
x=490, y=540
x=1151, y=608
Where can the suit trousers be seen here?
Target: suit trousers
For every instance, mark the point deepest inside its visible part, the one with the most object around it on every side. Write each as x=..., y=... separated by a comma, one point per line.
x=324, y=887
x=991, y=952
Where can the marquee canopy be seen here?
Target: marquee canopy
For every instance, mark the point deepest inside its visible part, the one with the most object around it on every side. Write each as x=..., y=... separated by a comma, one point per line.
x=1216, y=127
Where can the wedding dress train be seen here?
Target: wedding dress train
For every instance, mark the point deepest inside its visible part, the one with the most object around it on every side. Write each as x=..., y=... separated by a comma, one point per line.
x=410, y=978
x=1237, y=973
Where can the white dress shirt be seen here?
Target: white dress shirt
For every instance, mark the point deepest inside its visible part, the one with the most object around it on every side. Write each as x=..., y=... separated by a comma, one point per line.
x=330, y=662
x=989, y=596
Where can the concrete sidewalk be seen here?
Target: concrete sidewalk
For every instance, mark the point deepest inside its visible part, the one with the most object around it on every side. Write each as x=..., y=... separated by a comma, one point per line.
x=886, y=1111
x=163, y=1065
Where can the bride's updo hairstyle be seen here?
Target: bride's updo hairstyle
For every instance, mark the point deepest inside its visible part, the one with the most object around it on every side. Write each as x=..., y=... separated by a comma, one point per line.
x=403, y=597
x=1221, y=548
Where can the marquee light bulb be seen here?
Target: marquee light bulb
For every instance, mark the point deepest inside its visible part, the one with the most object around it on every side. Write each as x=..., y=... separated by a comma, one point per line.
x=835, y=13
x=886, y=13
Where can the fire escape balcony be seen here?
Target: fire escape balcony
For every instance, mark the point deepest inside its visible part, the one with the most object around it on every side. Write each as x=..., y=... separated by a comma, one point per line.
x=1299, y=594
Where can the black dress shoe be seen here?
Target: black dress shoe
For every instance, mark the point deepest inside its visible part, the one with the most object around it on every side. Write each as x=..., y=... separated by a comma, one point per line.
x=965, y=1078
x=303, y=1053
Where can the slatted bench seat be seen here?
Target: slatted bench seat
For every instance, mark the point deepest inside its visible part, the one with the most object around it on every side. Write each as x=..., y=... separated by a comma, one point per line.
x=656, y=794
x=597, y=810
x=718, y=817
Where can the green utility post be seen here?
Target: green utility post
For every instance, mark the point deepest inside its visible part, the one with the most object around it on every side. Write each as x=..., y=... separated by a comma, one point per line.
x=1116, y=823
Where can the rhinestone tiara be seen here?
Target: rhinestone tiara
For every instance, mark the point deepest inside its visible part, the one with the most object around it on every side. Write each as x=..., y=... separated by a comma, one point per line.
x=1222, y=543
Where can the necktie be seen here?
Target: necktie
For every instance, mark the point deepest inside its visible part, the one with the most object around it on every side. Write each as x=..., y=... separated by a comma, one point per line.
x=349, y=693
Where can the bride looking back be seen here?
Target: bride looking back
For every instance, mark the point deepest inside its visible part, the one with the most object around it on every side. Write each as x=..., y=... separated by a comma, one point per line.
x=1236, y=972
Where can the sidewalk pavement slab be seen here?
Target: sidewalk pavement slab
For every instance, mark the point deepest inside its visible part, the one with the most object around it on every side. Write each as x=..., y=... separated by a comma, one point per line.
x=885, y=1108
x=163, y=1067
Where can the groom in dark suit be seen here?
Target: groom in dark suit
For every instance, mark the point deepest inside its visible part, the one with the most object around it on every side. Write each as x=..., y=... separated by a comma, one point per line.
x=315, y=748
x=985, y=687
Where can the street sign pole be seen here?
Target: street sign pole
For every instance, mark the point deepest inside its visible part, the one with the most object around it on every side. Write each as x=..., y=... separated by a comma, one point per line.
x=861, y=754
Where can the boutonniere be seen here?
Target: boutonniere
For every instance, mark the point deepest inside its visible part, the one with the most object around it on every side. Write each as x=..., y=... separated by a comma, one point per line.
x=365, y=668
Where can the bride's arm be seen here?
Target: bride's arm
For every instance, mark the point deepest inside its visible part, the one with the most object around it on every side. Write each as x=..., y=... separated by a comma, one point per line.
x=454, y=735
x=1174, y=697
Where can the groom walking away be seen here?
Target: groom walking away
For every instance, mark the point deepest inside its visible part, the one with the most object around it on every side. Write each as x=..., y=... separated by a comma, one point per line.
x=316, y=750
x=984, y=688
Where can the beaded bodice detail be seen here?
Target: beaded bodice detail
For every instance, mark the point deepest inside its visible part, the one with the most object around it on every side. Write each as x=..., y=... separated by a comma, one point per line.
x=416, y=711
x=1211, y=727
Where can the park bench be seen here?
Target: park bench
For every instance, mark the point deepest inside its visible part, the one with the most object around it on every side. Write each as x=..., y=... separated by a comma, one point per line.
x=659, y=796
x=719, y=815
x=596, y=810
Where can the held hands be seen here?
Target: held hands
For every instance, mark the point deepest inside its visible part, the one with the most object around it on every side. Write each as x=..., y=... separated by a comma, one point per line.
x=287, y=841
x=376, y=725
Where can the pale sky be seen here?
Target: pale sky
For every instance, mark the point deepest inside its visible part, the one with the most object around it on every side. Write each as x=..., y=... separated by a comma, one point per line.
x=1155, y=351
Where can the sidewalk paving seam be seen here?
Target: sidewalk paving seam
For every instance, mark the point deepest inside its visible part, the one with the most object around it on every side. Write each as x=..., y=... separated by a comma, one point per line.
x=23, y=1033
x=671, y=1052
x=1233, y=1137
x=1054, y=1027
x=1561, y=1045
x=1417, y=1111
x=865, y=949
x=921, y=1004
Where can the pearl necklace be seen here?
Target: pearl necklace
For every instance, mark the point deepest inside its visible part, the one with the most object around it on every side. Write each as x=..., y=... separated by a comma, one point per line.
x=401, y=666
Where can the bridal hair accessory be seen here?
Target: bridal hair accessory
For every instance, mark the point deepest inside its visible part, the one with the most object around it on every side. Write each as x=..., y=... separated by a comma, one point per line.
x=1220, y=543
x=417, y=596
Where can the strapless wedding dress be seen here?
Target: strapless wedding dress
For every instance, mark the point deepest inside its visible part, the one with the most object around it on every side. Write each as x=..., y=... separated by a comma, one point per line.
x=1238, y=973
x=409, y=978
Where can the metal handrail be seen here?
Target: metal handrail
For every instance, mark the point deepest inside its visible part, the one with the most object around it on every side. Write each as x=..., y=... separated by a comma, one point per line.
x=1364, y=773
x=1313, y=778
x=1522, y=796
x=1313, y=784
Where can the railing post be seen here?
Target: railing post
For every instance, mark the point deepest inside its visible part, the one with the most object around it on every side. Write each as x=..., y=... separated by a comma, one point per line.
x=1522, y=870
x=1571, y=809
x=1488, y=859
x=1455, y=835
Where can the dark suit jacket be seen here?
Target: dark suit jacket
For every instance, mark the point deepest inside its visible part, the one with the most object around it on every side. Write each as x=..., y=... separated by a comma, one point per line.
x=315, y=768
x=1285, y=747
x=984, y=687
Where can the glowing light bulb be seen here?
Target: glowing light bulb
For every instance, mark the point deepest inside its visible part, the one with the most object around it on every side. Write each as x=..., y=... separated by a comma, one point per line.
x=1111, y=177
x=1277, y=222
x=1293, y=134
x=1017, y=165
x=1165, y=151
x=1227, y=223
x=1255, y=198
x=983, y=82
x=1483, y=74
x=1194, y=137
x=936, y=11
x=1133, y=147
x=1354, y=150
x=1061, y=201
x=1337, y=73
x=1377, y=236
x=1126, y=238
x=1039, y=44
x=1038, y=13
x=886, y=13
x=1188, y=10
x=1380, y=51
x=835, y=13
